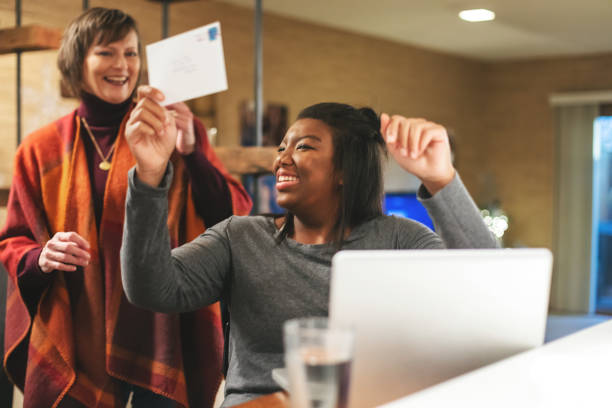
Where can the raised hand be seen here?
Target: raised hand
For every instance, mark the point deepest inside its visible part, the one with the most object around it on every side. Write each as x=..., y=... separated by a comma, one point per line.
x=151, y=134
x=64, y=252
x=185, y=140
x=421, y=148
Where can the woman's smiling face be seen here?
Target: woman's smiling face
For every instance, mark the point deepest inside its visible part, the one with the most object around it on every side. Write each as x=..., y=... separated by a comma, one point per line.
x=305, y=176
x=110, y=71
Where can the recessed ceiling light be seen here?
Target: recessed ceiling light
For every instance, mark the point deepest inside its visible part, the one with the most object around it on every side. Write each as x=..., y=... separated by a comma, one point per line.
x=475, y=15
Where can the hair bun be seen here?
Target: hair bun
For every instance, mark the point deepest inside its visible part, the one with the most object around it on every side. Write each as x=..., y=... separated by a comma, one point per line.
x=370, y=116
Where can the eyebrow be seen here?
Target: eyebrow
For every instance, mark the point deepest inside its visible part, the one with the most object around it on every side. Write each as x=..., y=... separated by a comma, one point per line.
x=317, y=138
x=108, y=45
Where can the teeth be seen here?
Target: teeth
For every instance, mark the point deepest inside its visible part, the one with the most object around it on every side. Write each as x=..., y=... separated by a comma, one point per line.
x=117, y=78
x=287, y=178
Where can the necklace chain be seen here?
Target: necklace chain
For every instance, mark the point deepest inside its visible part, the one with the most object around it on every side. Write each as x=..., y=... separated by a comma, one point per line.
x=105, y=163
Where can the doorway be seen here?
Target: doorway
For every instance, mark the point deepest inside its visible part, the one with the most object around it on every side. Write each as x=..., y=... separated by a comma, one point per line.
x=601, y=259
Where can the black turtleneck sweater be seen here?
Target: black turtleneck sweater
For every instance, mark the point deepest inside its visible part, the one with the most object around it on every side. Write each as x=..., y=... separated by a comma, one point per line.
x=211, y=193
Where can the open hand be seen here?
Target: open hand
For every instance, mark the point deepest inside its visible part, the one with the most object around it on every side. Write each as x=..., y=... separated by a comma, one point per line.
x=419, y=147
x=151, y=134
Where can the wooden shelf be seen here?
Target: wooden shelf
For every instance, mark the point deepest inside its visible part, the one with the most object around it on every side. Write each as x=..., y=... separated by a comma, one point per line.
x=4, y=193
x=247, y=160
x=29, y=38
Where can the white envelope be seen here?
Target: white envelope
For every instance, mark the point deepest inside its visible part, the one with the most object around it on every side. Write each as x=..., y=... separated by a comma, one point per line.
x=188, y=65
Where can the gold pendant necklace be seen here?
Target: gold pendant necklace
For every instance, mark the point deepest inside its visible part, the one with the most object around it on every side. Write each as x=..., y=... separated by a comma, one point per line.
x=104, y=164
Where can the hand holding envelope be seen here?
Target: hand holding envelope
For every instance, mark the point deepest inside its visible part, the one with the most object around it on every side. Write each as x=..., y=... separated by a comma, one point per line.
x=182, y=67
x=151, y=134
x=188, y=65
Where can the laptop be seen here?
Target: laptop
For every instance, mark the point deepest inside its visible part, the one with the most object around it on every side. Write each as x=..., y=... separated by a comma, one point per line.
x=424, y=316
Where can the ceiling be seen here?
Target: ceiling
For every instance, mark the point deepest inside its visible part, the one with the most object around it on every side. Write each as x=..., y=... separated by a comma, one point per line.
x=522, y=28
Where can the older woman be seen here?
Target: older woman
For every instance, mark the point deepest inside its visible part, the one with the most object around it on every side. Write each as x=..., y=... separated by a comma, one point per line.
x=72, y=338
x=270, y=269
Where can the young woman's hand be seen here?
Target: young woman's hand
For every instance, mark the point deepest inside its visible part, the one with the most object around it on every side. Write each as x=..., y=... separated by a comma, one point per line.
x=151, y=134
x=64, y=252
x=421, y=148
x=185, y=139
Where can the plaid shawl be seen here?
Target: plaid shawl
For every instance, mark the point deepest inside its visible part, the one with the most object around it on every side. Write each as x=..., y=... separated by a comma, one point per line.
x=85, y=334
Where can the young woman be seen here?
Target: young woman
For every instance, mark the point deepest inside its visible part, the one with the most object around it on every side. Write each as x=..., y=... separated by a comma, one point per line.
x=268, y=270
x=72, y=338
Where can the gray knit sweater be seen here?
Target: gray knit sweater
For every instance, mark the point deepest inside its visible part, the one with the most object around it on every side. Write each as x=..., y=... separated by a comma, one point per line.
x=268, y=282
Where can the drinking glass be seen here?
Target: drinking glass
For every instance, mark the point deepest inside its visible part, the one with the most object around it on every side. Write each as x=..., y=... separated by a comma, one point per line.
x=318, y=358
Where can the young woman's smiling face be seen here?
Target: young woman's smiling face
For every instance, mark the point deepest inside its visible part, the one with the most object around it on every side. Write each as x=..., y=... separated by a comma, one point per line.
x=110, y=71
x=305, y=177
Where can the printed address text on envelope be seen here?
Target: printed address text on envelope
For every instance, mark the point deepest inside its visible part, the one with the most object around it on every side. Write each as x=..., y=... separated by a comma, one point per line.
x=188, y=65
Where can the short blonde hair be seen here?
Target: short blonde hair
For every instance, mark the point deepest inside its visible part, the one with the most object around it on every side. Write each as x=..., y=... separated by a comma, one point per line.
x=97, y=25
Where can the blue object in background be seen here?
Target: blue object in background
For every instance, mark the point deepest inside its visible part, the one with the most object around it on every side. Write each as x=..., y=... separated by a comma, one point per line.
x=266, y=184
x=408, y=206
